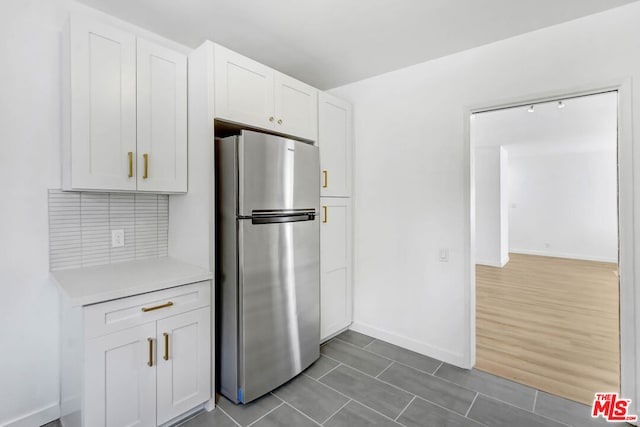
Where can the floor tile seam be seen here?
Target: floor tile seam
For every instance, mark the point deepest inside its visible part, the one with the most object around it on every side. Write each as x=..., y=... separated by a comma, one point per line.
x=525, y=410
x=384, y=357
x=339, y=409
x=289, y=403
x=471, y=406
x=356, y=400
x=268, y=412
x=383, y=371
x=230, y=417
x=372, y=341
x=535, y=400
x=437, y=369
x=405, y=408
x=330, y=370
x=302, y=413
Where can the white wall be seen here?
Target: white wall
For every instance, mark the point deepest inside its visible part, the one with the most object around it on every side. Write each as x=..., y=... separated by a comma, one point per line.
x=492, y=221
x=30, y=132
x=565, y=205
x=411, y=174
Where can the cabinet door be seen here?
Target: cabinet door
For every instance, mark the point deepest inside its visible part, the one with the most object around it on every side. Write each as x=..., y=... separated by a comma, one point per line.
x=243, y=89
x=334, y=140
x=335, y=265
x=103, y=107
x=296, y=107
x=162, y=118
x=184, y=365
x=120, y=385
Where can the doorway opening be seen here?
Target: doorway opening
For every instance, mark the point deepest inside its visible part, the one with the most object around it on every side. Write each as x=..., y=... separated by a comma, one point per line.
x=546, y=244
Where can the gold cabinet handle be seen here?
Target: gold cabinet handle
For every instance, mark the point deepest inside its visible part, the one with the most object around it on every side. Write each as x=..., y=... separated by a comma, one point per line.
x=325, y=175
x=271, y=119
x=146, y=166
x=166, y=346
x=150, y=362
x=130, y=164
x=324, y=211
x=280, y=121
x=157, y=307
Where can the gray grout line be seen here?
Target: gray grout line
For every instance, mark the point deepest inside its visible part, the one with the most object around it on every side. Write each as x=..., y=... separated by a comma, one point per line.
x=385, y=357
x=405, y=408
x=281, y=403
x=384, y=370
x=339, y=409
x=305, y=415
x=437, y=369
x=355, y=400
x=330, y=370
x=471, y=406
x=535, y=400
x=230, y=417
x=372, y=341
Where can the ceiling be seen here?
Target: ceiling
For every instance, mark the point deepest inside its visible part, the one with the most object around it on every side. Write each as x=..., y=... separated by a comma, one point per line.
x=588, y=123
x=329, y=43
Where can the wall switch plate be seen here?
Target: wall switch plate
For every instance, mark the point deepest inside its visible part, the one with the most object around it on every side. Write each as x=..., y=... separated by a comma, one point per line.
x=117, y=238
x=444, y=255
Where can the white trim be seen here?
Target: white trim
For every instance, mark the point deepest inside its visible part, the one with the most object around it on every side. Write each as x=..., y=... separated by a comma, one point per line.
x=500, y=264
x=629, y=207
x=38, y=417
x=563, y=255
x=456, y=359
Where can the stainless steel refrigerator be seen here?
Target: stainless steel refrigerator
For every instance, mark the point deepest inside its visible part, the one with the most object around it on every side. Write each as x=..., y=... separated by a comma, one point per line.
x=268, y=255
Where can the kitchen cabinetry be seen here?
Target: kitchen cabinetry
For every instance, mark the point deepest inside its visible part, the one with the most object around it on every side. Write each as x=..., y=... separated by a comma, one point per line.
x=146, y=358
x=335, y=266
x=250, y=93
x=334, y=140
x=126, y=112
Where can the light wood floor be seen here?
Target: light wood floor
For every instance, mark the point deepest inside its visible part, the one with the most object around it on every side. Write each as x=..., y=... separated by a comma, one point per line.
x=550, y=323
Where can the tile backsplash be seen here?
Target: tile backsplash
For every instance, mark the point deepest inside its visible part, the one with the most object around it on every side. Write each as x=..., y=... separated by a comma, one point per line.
x=80, y=225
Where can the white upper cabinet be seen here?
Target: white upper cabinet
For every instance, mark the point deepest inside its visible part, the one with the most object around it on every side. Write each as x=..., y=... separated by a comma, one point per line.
x=243, y=89
x=250, y=93
x=296, y=107
x=334, y=140
x=162, y=118
x=103, y=107
x=128, y=98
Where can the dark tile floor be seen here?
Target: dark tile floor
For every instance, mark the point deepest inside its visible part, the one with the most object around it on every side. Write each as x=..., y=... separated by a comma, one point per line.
x=360, y=381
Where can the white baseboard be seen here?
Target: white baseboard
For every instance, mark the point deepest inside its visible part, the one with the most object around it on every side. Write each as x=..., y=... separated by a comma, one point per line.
x=500, y=264
x=452, y=358
x=36, y=418
x=563, y=255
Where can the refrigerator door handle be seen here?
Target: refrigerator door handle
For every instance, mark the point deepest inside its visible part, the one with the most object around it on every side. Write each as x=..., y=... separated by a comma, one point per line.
x=281, y=219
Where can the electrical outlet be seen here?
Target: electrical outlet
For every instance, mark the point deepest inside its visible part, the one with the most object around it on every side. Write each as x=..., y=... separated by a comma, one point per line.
x=117, y=238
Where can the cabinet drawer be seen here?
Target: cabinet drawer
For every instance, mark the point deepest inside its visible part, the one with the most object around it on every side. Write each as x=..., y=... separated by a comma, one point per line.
x=105, y=318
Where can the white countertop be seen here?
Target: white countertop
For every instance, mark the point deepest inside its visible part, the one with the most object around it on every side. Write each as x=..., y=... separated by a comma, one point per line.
x=90, y=285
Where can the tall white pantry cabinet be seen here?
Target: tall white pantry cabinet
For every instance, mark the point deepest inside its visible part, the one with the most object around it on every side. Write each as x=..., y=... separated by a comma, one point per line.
x=335, y=142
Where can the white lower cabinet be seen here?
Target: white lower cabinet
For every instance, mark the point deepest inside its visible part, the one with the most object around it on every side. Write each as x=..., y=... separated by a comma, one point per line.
x=183, y=359
x=335, y=266
x=147, y=358
x=120, y=385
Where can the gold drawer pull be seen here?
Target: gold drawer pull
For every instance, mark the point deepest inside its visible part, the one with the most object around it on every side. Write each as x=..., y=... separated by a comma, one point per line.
x=146, y=166
x=324, y=210
x=166, y=346
x=325, y=174
x=130, y=164
x=157, y=307
x=150, y=363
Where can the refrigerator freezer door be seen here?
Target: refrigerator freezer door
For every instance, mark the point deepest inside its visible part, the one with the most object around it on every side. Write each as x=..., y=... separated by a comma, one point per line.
x=280, y=302
x=276, y=174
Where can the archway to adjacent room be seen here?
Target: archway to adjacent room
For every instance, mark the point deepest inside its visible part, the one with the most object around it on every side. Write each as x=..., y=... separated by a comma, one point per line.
x=545, y=192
